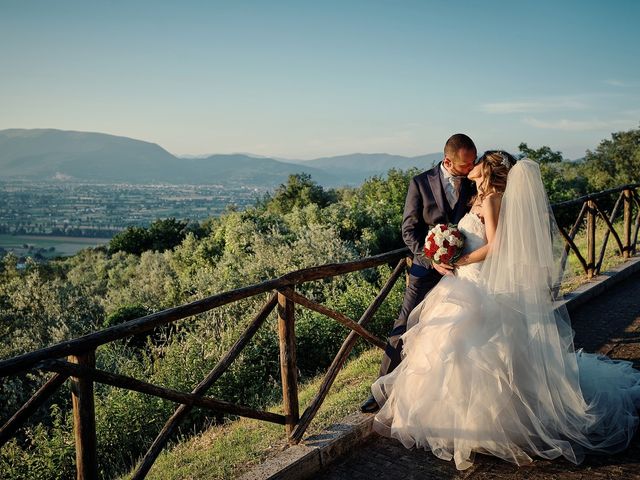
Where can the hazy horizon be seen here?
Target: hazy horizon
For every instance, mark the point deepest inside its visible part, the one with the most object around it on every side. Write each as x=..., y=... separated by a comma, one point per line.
x=255, y=155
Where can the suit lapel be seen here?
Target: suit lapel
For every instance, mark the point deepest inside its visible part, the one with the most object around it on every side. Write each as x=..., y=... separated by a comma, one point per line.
x=438, y=192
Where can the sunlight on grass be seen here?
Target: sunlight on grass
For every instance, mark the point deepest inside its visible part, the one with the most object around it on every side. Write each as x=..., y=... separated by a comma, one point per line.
x=574, y=274
x=223, y=452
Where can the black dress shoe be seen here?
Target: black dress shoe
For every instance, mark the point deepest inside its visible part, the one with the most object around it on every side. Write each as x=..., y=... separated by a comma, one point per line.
x=369, y=405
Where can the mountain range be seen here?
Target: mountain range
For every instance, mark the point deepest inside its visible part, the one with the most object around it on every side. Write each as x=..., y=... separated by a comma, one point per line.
x=48, y=154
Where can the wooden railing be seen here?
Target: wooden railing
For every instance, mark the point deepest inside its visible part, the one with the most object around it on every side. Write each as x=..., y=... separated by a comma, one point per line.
x=594, y=206
x=79, y=366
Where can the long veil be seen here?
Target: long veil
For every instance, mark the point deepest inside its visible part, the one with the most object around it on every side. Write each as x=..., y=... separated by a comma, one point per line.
x=522, y=271
x=527, y=238
x=564, y=395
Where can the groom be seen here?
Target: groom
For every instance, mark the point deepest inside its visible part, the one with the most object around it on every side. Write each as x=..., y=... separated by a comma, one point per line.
x=439, y=195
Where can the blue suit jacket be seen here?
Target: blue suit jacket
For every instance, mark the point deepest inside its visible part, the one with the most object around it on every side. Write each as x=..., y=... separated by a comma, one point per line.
x=426, y=205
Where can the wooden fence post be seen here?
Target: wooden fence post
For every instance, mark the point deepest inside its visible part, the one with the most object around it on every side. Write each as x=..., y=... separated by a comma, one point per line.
x=288, y=364
x=591, y=238
x=626, y=240
x=84, y=419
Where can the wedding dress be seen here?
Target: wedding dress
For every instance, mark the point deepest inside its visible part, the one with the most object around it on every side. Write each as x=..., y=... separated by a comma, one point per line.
x=489, y=365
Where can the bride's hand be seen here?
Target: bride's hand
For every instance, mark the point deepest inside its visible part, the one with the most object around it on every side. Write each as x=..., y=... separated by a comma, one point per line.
x=462, y=261
x=443, y=268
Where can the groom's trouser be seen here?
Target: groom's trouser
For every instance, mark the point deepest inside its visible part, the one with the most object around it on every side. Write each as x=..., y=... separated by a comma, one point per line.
x=416, y=290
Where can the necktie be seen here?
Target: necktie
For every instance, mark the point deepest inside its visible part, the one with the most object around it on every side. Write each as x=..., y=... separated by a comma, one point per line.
x=453, y=190
x=455, y=182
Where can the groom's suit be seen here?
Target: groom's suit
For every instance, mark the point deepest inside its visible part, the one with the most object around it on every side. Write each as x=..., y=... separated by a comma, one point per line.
x=426, y=205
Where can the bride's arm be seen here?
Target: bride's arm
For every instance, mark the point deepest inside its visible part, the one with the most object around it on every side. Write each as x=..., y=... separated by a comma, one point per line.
x=490, y=213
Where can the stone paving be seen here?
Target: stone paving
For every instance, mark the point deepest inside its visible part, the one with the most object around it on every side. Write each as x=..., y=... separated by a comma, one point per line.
x=609, y=324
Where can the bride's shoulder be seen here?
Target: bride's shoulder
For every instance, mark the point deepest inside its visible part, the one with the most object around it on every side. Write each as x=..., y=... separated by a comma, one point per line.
x=491, y=205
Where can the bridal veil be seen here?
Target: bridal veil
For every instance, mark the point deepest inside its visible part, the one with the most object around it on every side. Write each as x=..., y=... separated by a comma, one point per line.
x=585, y=399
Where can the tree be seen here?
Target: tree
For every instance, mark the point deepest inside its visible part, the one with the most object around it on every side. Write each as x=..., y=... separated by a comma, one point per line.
x=162, y=234
x=614, y=162
x=131, y=240
x=298, y=192
x=370, y=216
x=541, y=155
x=167, y=233
x=562, y=179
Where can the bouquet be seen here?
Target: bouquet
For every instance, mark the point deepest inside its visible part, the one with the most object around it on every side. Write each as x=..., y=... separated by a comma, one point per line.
x=444, y=244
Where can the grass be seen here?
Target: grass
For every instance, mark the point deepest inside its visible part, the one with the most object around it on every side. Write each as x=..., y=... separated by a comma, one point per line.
x=575, y=275
x=225, y=451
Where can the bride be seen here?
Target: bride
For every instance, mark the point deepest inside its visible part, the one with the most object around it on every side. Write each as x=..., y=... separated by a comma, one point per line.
x=488, y=364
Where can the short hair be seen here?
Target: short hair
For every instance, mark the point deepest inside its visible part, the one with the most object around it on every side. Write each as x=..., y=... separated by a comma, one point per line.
x=458, y=142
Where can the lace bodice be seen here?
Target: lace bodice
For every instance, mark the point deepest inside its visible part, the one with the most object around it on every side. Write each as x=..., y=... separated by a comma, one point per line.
x=475, y=237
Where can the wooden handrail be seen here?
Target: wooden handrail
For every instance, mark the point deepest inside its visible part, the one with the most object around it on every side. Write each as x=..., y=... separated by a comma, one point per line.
x=593, y=210
x=614, y=212
x=183, y=410
x=343, y=353
x=84, y=414
x=38, y=398
x=594, y=196
x=288, y=362
x=343, y=319
x=122, y=381
x=569, y=239
x=149, y=322
x=145, y=324
x=81, y=353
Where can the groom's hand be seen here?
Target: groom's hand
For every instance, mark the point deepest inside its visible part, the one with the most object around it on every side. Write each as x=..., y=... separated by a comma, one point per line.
x=443, y=268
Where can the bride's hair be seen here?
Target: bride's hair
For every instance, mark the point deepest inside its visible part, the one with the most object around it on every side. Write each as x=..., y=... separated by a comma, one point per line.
x=495, y=165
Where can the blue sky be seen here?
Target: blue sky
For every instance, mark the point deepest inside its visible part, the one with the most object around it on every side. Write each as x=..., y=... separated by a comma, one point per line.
x=303, y=79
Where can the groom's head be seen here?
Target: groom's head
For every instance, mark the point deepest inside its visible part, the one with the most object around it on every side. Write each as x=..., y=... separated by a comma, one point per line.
x=459, y=154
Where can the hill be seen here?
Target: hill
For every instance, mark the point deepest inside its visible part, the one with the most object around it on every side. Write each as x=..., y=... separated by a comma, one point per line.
x=48, y=154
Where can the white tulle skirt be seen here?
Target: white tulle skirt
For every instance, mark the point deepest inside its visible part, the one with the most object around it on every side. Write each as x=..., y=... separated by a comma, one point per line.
x=475, y=378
